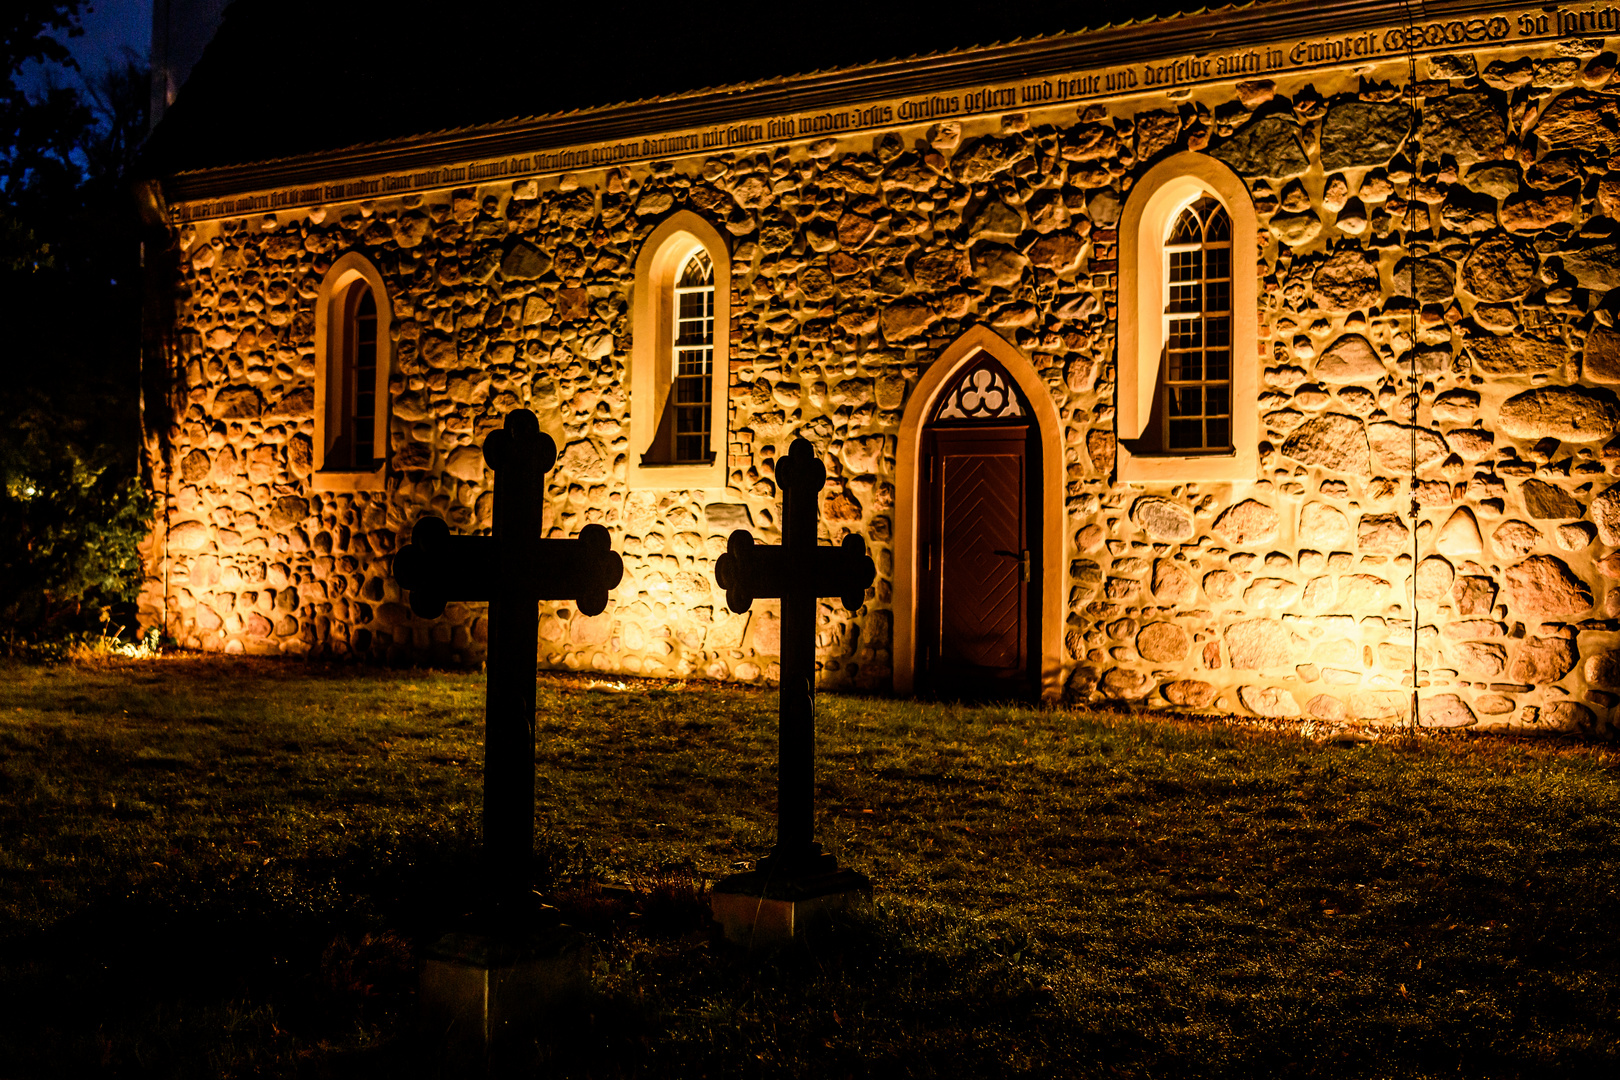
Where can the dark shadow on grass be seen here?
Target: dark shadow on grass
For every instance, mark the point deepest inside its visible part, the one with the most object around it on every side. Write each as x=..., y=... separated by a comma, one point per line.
x=198, y=976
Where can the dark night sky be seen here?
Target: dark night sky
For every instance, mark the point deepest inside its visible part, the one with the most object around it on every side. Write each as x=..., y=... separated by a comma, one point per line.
x=109, y=27
x=112, y=25
x=521, y=70
x=266, y=88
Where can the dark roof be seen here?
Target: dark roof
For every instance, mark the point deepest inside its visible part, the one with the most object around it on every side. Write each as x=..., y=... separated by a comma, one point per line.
x=285, y=78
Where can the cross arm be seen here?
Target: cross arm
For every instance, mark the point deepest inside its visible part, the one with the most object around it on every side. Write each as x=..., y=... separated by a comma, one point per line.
x=583, y=570
x=750, y=571
x=436, y=567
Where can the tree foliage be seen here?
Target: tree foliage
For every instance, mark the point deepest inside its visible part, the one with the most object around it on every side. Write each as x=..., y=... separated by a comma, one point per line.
x=36, y=131
x=25, y=33
x=71, y=515
x=72, y=509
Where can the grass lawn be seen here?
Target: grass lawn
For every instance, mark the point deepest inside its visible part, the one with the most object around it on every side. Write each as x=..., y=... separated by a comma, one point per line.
x=227, y=868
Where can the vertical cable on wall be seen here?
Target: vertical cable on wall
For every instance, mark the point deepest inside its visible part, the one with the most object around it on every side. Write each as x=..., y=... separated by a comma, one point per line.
x=1416, y=154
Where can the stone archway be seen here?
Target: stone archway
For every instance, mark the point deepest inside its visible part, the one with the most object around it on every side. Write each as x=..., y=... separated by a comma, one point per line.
x=951, y=361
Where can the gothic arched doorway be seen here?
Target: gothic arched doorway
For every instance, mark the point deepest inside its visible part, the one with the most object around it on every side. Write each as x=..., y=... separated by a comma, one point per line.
x=978, y=536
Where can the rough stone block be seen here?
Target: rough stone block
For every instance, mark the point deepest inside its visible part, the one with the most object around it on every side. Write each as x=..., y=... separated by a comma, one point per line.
x=759, y=910
x=485, y=998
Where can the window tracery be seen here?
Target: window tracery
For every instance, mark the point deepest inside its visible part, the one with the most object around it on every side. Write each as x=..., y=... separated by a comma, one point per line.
x=984, y=392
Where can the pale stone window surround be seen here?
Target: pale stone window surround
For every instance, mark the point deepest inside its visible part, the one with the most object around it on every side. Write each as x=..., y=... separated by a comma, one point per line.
x=941, y=377
x=348, y=271
x=652, y=328
x=1149, y=213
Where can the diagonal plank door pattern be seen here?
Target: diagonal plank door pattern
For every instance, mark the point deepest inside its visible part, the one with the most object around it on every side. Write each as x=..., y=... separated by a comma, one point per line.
x=981, y=522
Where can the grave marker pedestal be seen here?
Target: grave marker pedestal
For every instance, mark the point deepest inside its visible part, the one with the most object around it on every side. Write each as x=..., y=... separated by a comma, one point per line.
x=493, y=982
x=797, y=883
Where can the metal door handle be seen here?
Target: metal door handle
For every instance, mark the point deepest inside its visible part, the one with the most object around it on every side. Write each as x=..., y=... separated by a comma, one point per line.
x=1023, y=560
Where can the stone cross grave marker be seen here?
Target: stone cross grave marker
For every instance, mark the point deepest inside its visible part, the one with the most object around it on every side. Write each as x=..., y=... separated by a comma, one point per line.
x=797, y=878
x=513, y=569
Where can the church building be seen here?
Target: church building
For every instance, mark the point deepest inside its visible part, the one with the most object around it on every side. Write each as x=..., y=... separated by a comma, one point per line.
x=1254, y=360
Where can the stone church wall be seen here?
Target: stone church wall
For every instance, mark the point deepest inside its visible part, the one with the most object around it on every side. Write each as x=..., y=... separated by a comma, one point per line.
x=856, y=261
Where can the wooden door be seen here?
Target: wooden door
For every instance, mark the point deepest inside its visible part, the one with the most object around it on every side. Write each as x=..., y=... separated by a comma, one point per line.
x=978, y=564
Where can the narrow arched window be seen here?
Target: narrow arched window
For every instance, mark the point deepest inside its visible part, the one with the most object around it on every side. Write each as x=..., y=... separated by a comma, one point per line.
x=690, y=396
x=353, y=323
x=1196, y=391
x=679, y=366
x=1189, y=325
x=352, y=424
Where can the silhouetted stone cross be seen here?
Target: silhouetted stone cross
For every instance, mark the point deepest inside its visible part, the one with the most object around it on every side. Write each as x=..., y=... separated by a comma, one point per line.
x=513, y=569
x=799, y=572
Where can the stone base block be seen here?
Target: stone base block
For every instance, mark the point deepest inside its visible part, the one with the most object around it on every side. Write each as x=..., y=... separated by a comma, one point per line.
x=488, y=999
x=764, y=910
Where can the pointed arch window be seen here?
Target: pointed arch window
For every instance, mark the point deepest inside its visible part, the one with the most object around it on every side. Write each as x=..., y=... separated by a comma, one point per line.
x=352, y=362
x=679, y=363
x=1189, y=330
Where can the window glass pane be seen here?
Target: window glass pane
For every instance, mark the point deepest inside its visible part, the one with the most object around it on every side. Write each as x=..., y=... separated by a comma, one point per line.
x=1185, y=298
x=694, y=362
x=693, y=304
x=1184, y=265
x=1218, y=332
x=1219, y=434
x=1220, y=226
x=1186, y=367
x=1217, y=366
x=1215, y=401
x=1218, y=296
x=1186, y=435
x=1218, y=262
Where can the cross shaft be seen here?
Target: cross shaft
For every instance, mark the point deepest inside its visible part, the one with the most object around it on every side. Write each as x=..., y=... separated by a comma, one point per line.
x=798, y=572
x=513, y=569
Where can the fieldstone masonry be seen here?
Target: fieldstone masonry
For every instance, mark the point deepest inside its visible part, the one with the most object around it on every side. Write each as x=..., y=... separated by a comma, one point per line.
x=1481, y=257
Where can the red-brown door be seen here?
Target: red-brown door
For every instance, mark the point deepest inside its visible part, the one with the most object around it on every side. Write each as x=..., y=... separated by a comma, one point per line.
x=978, y=564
